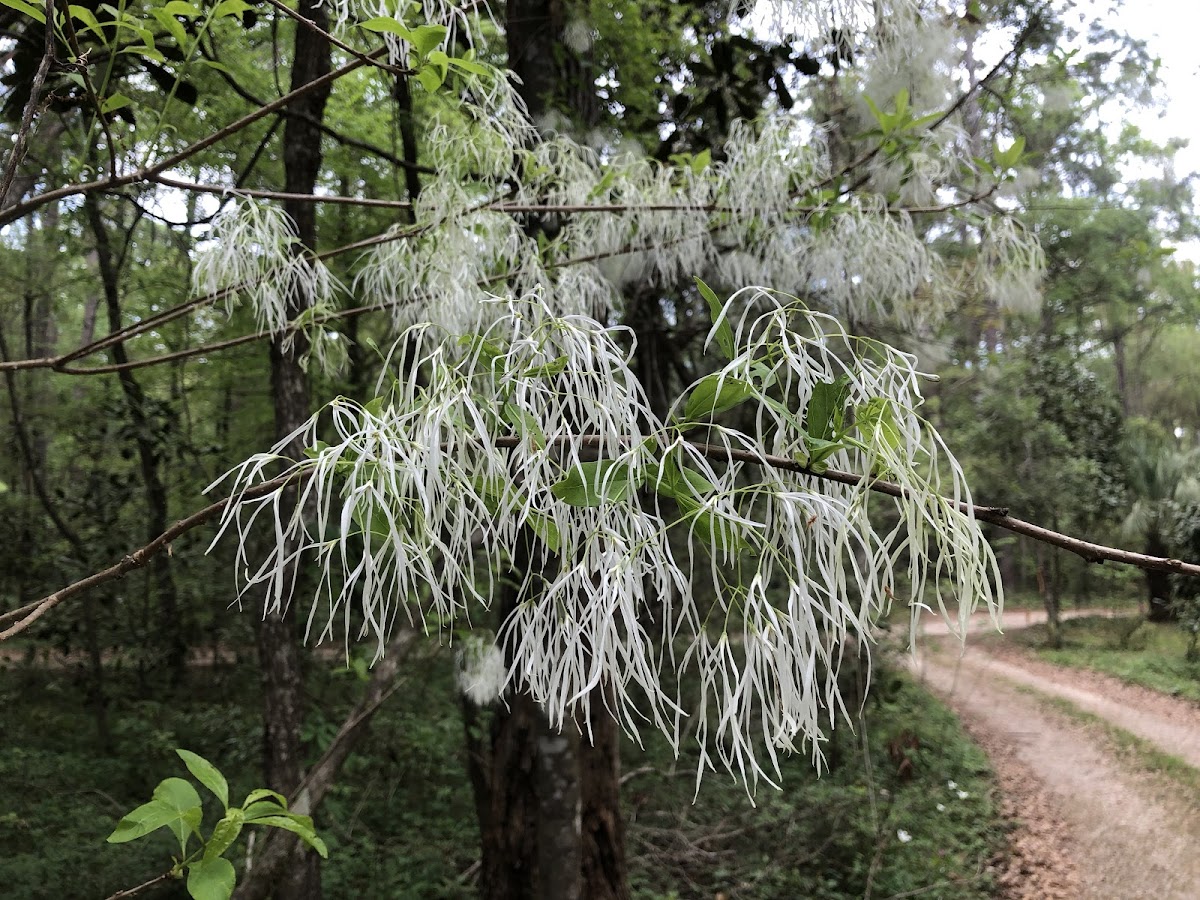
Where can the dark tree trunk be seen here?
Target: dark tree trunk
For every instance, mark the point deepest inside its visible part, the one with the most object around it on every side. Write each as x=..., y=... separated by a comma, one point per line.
x=538, y=806
x=605, y=875
x=1158, y=584
x=278, y=641
x=141, y=418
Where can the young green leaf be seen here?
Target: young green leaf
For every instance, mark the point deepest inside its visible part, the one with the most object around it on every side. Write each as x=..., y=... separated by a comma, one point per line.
x=225, y=832
x=826, y=407
x=594, y=483
x=714, y=394
x=263, y=793
x=140, y=822
x=684, y=485
x=301, y=826
x=427, y=37
x=876, y=422
x=211, y=879
x=820, y=450
x=27, y=8
x=207, y=774
x=387, y=25
x=724, y=333
x=525, y=423
x=263, y=809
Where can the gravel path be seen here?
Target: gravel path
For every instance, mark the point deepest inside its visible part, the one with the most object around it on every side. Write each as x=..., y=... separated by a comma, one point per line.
x=1088, y=826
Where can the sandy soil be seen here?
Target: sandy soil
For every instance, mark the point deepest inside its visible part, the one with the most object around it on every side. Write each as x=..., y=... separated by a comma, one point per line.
x=1087, y=825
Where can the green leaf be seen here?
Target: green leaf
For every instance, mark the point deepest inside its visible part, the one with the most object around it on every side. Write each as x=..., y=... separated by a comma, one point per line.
x=525, y=423
x=140, y=822
x=546, y=531
x=182, y=9
x=230, y=8
x=548, y=370
x=88, y=18
x=27, y=8
x=211, y=879
x=262, y=809
x=169, y=22
x=876, y=422
x=182, y=797
x=429, y=78
x=207, y=774
x=225, y=833
x=724, y=333
x=425, y=38
x=263, y=793
x=826, y=408
x=714, y=394
x=374, y=521
x=820, y=450
x=301, y=826
x=718, y=531
x=594, y=483
x=387, y=25
x=467, y=65
x=685, y=485
x=481, y=347
x=116, y=101
x=1008, y=159
x=315, y=451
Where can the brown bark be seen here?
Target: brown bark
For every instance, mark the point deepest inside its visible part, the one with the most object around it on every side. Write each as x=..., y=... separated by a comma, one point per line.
x=605, y=874
x=539, y=807
x=283, y=672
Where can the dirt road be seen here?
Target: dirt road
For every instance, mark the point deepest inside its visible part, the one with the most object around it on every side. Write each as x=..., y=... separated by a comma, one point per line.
x=1094, y=827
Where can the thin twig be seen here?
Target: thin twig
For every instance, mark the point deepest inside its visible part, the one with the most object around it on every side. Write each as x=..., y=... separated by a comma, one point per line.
x=337, y=42
x=20, y=210
x=31, y=105
x=141, y=888
x=30, y=613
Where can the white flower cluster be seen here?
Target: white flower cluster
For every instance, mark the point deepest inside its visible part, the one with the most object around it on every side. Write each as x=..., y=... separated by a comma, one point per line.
x=537, y=426
x=252, y=252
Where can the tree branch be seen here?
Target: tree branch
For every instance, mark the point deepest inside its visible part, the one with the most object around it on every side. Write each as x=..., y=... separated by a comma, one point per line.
x=31, y=612
x=35, y=94
x=20, y=210
x=991, y=515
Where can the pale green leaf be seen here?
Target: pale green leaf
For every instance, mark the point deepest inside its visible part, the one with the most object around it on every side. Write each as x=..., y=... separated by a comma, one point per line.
x=211, y=879
x=207, y=774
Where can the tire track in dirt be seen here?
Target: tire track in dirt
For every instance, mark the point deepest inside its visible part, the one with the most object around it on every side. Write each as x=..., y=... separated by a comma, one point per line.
x=1130, y=835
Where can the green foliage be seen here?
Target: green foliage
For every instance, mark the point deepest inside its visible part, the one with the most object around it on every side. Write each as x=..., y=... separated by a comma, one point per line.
x=176, y=806
x=908, y=794
x=1146, y=653
x=401, y=821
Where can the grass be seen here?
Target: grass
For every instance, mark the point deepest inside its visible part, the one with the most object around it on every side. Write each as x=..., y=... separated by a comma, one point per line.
x=400, y=823
x=1146, y=653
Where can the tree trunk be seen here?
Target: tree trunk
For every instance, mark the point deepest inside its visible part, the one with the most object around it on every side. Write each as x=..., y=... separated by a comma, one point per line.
x=141, y=418
x=538, y=806
x=605, y=874
x=1158, y=584
x=283, y=673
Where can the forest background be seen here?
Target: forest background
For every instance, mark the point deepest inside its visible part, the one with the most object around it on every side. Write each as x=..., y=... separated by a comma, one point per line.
x=972, y=204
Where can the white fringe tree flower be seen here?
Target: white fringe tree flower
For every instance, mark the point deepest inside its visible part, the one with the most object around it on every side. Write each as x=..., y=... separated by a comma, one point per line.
x=531, y=446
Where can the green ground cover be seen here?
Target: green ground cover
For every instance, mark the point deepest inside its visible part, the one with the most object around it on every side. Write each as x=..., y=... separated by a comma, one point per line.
x=1138, y=652
x=401, y=825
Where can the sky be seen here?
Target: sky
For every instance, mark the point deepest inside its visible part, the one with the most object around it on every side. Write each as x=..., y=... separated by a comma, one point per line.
x=1169, y=28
